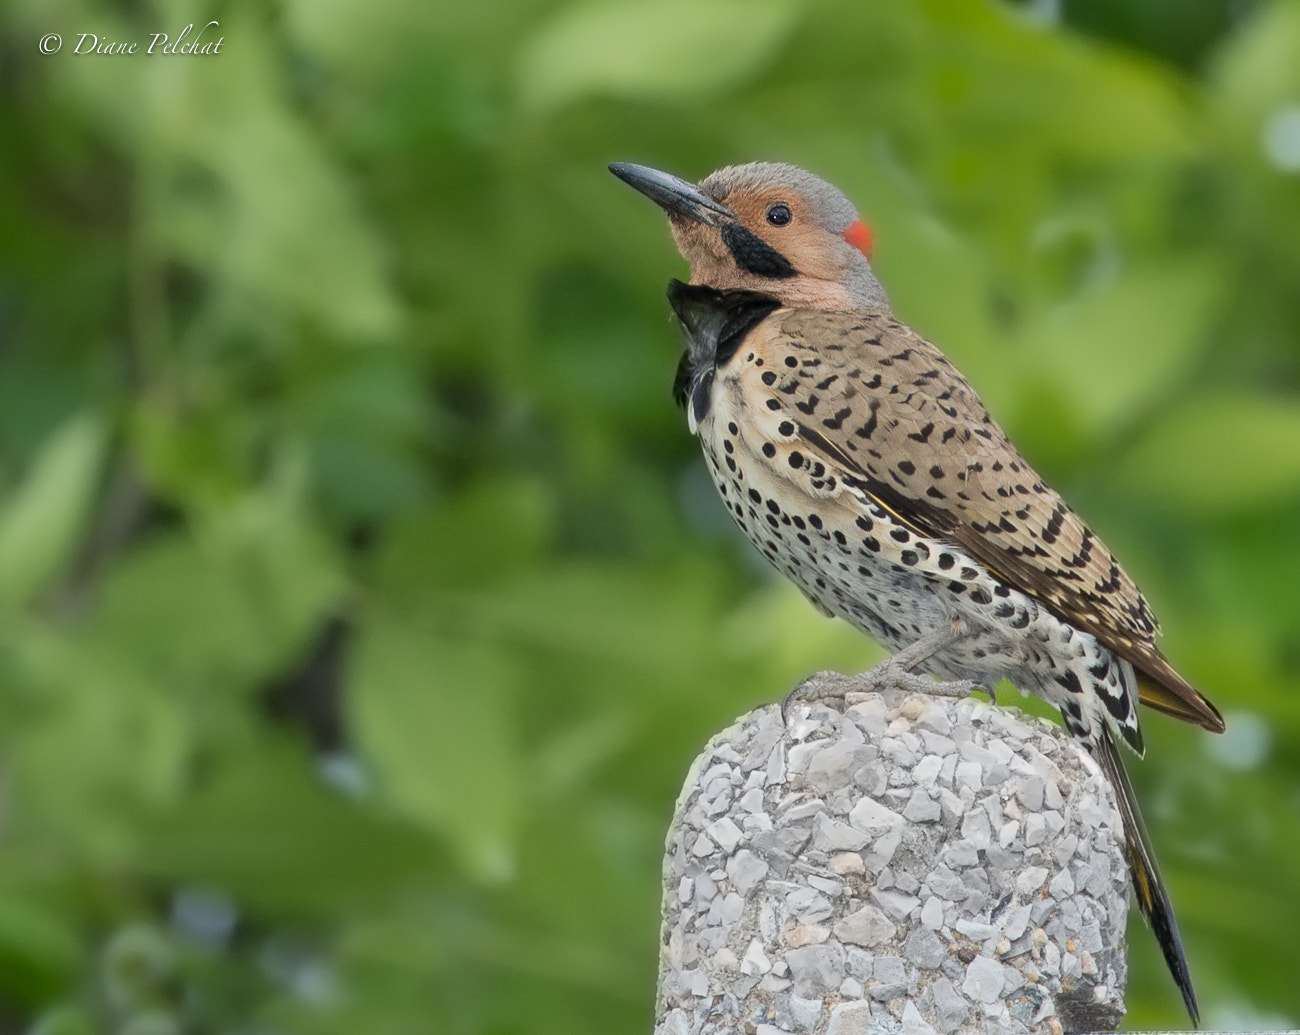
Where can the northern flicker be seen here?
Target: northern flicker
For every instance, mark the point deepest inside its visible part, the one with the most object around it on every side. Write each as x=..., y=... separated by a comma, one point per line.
x=863, y=465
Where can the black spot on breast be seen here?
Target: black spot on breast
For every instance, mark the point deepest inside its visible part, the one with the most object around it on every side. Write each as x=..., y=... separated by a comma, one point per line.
x=1069, y=681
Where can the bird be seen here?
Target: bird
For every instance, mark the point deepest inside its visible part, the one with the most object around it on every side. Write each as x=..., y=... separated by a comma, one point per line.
x=864, y=467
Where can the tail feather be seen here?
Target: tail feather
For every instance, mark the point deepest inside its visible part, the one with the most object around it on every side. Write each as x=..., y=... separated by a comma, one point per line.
x=1147, y=884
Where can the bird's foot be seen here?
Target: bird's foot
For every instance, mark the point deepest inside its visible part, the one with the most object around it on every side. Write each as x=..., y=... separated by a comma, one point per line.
x=889, y=674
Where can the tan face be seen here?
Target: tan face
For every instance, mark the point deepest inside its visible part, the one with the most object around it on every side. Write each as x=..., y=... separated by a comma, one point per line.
x=780, y=218
x=768, y=228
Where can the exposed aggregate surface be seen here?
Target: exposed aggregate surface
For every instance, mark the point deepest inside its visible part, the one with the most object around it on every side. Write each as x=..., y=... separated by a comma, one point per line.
x=910, y=863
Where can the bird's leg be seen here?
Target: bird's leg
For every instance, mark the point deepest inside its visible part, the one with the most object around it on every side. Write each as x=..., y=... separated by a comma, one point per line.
x=894, y=671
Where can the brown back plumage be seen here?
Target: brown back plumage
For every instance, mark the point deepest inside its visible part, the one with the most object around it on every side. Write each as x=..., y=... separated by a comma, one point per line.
x=902, y=443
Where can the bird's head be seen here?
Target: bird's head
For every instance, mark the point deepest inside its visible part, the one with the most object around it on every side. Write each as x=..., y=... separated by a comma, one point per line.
x=769, y=228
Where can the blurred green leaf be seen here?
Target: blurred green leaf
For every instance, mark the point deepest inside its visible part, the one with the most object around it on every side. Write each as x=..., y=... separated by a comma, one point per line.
x=40, y=525
x=432, y=716
x=1218, y=454
x=1121, y=346
x=671, y=50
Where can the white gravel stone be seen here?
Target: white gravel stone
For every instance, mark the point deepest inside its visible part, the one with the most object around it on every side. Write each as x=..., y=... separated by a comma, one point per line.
x=874, y=819
x=745, y=869
x=984, y=980
x=924, y=948
x=852, y=1018
x=725, y=832
x=1030, y=880
x=805, y=1012
x=921, y=808
x=1017, y=922
x=914, y=1023
x=816, y=970
x=951, y=1008
x=831, y=835
x=867, y=926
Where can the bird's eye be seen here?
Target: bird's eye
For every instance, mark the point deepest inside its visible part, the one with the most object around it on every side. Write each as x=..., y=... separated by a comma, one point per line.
x=778, y=214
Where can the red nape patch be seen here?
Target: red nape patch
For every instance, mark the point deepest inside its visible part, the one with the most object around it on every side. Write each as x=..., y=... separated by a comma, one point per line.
x=859, y=235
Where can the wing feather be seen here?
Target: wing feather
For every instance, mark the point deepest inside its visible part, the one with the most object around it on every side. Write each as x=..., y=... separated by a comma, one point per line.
x=899, y=422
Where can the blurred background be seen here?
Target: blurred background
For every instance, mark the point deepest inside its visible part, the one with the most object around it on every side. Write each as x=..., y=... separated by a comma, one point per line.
x=363, y=599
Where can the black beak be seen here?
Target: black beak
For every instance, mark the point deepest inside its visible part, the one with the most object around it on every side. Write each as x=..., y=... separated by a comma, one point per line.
x=674, y=196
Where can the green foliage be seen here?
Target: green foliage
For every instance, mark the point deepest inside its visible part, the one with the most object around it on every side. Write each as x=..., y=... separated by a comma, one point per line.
x=362, y=601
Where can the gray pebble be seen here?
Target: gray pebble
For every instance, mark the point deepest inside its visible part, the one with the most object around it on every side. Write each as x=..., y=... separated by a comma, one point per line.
x=1030, y=880
x=860, y=963
x=914, y=1023
x=867, y=926
x=833, y=765
x=950, y=1007
x=1017, y=922
x=897, y=904
x=984, y=980
x=805, y=1013
x=809, y=905
x=874, y=819
x=890, y=979
x=851, y=1018
x=924, y=948
x=831, y=835
x=921, y=808
x=745, y=870
x=816, y=970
